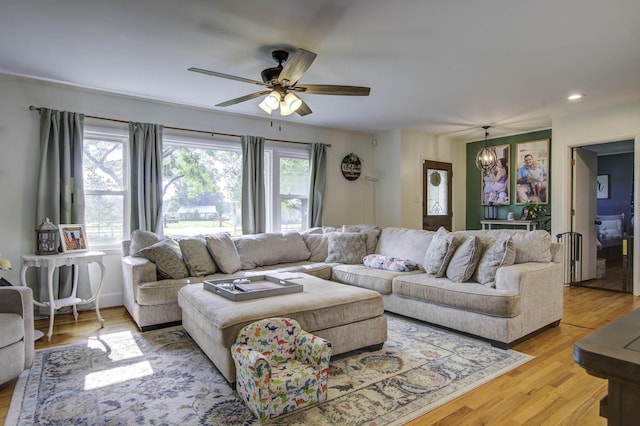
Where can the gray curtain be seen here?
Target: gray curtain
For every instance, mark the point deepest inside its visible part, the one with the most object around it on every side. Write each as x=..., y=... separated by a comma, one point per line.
x=60, y=187
x=145, y=153
x=253, y=204
x=317, y=182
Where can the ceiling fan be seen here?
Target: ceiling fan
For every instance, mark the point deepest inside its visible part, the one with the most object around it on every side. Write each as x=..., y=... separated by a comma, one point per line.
x=281, y=82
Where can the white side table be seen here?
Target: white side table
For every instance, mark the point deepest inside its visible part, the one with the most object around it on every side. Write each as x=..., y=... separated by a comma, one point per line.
x=52, y=262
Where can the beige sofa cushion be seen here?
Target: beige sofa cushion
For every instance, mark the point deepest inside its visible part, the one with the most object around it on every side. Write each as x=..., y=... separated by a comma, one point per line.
x=370, y=278
x=224, y=252
x=141, y=239
x=410, y=244
x=270, y=249
x=318, y=245
x=468, y=296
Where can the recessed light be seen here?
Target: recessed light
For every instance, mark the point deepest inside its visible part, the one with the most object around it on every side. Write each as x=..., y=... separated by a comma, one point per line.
x=575, y=97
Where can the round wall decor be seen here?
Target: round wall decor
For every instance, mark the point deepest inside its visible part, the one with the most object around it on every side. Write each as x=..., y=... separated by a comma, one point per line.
x=351, y=166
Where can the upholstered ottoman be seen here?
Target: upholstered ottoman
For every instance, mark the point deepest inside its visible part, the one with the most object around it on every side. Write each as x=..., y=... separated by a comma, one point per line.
x=349, y=317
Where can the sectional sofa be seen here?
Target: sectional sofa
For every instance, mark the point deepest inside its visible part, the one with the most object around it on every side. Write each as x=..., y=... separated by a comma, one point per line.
x=500, y=285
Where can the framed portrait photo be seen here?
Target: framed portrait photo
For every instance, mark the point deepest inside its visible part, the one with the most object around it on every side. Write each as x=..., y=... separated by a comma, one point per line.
x=532, y=172
x=73, y=238
x=495, y=182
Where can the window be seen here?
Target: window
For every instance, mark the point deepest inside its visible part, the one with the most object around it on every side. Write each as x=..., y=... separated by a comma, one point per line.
x=290, y=199
x=202, y=184
x=203, y=187
x=105, y=188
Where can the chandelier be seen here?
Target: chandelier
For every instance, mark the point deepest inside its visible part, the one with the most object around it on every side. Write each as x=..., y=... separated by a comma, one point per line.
x=486, y=159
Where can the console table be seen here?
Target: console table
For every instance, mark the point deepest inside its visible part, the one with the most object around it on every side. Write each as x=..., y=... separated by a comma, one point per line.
x=489, y=224
x=52, y=262
x=613, y=353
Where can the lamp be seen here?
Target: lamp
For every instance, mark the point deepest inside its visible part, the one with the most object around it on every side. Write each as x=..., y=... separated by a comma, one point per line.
x=486, y=159
x=288, y=103
x=47, y=238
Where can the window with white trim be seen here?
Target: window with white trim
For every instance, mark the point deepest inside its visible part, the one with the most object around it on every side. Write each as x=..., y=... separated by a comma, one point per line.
x=105, y=188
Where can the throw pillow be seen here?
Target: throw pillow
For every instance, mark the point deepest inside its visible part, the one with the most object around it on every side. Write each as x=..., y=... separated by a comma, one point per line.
x=389, y=263
x=224, y=252
x=318, y=245
x=500, y=253
x=141, y=239
x=532, y=246
x=196, y=256
x=346, y=247
x=439, y=252
x=373, y=232
x=168, y=259
x=464, y=260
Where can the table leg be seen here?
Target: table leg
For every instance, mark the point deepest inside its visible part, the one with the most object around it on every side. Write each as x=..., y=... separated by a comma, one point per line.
x=74, y=290
x=102, y=272
x=52, y=301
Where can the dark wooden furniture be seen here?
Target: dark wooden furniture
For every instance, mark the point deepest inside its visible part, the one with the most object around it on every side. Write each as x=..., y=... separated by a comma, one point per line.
x=613, y=353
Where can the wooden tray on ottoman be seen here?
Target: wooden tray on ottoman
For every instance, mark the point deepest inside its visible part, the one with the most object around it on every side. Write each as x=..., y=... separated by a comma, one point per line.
x=257, y=286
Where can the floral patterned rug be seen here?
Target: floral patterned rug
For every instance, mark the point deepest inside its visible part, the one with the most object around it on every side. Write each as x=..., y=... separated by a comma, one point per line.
x=161, y=377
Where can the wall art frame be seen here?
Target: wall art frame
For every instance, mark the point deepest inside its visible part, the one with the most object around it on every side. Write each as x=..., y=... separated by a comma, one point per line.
x=533, y=172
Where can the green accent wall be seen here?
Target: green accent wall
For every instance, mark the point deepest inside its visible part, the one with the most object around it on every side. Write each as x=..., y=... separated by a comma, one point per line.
x=475, y=210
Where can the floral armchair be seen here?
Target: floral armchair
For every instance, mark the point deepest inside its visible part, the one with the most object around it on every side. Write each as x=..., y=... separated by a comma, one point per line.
x=280, y=367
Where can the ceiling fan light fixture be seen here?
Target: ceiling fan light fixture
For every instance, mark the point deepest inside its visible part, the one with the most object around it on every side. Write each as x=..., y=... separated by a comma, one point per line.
x=263, y=105
x=292, y=101
x=272, y=100
x=284, y=109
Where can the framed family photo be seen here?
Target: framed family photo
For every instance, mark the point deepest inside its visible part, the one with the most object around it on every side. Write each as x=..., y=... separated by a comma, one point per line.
x=532, y=173
x=73, y=238
x=495, y=182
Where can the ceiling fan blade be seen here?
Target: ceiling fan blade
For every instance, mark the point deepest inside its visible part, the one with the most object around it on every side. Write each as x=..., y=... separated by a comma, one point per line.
x=303, y=109
x=297, y=64
x=228, y=76
x=243, y=98
x=330, y=89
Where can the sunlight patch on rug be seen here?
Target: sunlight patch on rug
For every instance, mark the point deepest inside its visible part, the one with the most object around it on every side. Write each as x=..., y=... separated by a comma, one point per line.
x=162, y=377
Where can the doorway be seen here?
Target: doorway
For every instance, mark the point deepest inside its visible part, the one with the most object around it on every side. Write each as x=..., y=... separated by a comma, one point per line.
x=606, y=217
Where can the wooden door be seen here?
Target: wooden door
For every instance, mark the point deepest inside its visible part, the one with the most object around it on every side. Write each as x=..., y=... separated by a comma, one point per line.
x=436, y=198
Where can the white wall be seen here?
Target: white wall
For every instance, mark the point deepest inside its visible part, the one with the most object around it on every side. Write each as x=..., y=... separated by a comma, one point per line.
x=398, y=163
x=19, y=144
x=606, y=125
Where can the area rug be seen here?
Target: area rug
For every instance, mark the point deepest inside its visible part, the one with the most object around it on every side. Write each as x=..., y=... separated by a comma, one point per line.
x=161, y=377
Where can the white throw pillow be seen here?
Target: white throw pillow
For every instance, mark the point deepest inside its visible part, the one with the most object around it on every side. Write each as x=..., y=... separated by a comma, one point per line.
x=500, y=253
x=464, y=261
x=439, y=252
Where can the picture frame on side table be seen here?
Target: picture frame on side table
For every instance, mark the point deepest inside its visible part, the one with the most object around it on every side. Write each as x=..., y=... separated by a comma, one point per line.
x=602, y=186
x=532, y=172
x=73, y=238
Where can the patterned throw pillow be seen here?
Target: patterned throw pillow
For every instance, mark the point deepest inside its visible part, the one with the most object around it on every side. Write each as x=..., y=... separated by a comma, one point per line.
x=168, y=259
x=390, y=263
x=196, y=256
x=373, y=233
x=464, y=260
x=346, y=247
x=501, y=253
x=224, y=252
x=439, y=252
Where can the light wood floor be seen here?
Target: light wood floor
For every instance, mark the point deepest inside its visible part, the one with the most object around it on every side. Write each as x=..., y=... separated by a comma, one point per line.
x=551, y=389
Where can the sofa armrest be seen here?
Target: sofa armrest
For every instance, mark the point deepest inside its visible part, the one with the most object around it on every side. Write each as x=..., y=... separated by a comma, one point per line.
x=139, y=269
x=541, y=288
x=19, y=300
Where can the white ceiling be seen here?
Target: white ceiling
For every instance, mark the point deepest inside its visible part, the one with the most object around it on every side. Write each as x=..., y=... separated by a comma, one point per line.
x=447, y=67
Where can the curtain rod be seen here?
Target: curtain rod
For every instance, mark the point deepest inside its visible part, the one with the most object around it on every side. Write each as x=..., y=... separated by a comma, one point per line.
x=211, y=133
